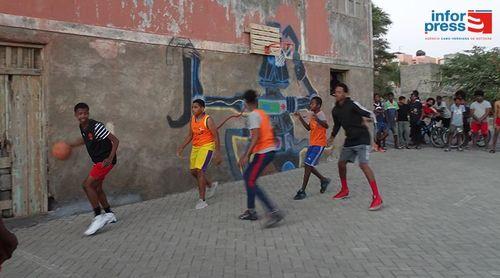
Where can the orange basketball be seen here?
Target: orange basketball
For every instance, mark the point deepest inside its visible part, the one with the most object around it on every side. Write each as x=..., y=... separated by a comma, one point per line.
x=61, y=150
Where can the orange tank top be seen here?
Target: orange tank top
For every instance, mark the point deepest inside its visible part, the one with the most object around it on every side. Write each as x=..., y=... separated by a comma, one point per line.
x=266, y=133
x=201, y=134
x=317, y=137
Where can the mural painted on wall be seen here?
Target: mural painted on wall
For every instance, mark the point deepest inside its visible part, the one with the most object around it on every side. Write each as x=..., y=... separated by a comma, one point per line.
x=274, y=80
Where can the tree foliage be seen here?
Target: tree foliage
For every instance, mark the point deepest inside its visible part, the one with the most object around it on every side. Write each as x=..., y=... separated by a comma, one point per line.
x=380, y=24
x=386, y=77
x=474, y=69
x=384, y=70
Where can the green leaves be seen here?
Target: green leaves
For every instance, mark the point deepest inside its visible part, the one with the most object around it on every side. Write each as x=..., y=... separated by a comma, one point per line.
x=384, y=71
x=475, y=69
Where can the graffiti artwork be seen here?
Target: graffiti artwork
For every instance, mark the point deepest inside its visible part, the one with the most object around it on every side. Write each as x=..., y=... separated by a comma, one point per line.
x=274, y=80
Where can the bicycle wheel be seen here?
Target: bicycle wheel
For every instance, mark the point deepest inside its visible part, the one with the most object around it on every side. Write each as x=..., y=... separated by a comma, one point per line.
x=455, y=138
x=436, y=136
x=482, y=141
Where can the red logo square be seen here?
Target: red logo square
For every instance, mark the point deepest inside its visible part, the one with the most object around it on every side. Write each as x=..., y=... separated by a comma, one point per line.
x=480, y=21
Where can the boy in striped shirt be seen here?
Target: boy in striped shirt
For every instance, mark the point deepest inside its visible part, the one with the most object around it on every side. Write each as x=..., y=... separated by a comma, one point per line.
x=101, y=146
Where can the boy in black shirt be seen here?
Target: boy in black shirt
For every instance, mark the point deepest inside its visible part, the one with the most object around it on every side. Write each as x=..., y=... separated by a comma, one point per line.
x=415, y=119
x=381, y=126
x=349, y=115
x=403, y=124
x=101, y=146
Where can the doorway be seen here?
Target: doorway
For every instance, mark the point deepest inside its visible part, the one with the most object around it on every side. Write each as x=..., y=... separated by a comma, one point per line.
x=23, y=166
x=336, y=76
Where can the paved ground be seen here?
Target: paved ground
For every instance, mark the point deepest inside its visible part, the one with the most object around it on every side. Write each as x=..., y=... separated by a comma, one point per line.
x=441, y=219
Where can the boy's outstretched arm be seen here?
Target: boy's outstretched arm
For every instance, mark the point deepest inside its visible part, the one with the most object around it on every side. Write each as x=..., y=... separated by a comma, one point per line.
x=304, y=123
x=335, y=131
x=486, y=114
x=254, y=138
x=187, y=140
x=114, y=142
x=320, y=122
x=473, y=116
x=76, y=143
x=215, y=133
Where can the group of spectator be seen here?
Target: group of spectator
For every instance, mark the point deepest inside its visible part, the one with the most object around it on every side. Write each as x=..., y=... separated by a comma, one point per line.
x=407, y=120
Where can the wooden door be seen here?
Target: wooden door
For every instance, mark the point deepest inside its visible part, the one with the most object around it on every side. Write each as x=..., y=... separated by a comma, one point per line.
x=23, y=138
x=29, y=188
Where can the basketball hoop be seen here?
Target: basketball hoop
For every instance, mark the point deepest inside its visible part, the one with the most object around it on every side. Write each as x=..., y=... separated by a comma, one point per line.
x=280, y=51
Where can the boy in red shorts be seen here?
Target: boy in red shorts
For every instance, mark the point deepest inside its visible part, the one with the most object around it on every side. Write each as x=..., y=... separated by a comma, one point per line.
x=497, y=127
x=101, y=146
x=479, y=109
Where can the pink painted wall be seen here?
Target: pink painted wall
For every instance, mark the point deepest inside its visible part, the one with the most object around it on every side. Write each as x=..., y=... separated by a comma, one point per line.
x=319, y=41
x=209, y=20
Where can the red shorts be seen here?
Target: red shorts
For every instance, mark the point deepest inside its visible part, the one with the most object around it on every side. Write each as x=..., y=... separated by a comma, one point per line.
x=99, y=172
x=497, y=122
x=476, y=126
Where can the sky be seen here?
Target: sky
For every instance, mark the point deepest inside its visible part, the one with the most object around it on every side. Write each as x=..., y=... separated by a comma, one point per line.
x=407, y=33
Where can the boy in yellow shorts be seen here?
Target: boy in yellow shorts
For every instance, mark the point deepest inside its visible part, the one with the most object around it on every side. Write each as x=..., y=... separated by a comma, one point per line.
x=205, y=140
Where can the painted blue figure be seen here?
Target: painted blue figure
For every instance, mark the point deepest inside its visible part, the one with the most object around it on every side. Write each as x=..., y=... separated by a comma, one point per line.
x=273, y=79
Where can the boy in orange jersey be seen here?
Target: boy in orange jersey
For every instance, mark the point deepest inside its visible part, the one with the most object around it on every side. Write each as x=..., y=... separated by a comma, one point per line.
x=263, y=146
x=205, y=139
x=317, y=143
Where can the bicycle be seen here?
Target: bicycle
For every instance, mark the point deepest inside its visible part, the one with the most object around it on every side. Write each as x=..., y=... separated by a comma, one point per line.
x=481, y=140
x=434, y=130
x=458, y=135
x=466, y=138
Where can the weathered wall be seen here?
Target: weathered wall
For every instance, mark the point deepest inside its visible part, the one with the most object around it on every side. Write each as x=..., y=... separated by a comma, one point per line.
x=336, y=30
x=139, y=91
x=118, y=56
x=422, y=77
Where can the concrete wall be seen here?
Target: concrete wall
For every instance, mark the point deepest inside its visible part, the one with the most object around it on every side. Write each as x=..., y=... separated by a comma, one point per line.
x=141, y=88
x=336, y=30
x=422, y=77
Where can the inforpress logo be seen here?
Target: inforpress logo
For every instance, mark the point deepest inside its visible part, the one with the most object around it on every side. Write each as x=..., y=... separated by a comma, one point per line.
x=480, y=21
x=460, y=25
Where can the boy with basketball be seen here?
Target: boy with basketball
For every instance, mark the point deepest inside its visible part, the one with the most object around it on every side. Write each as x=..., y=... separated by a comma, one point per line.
x=205, y=139
x=101, y=146
x=263, y=147
x=317, y=143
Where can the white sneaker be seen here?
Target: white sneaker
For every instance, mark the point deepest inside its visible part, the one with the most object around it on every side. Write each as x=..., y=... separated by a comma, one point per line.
x=110, y=217
x=201, y=204
x=211, y=190
x=98, y=222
